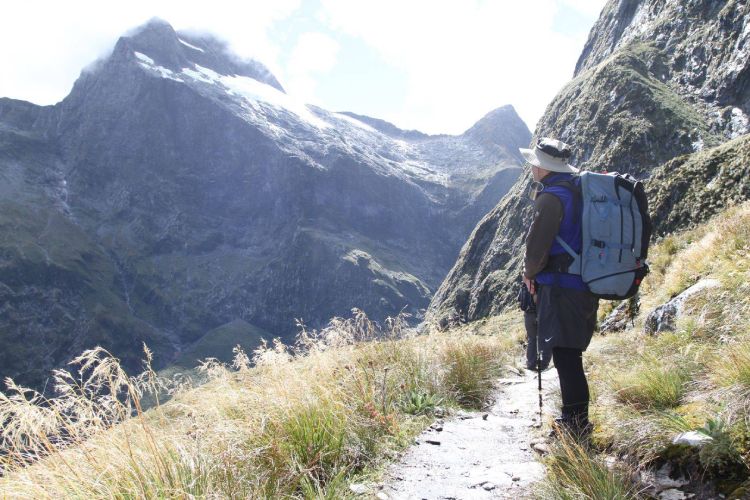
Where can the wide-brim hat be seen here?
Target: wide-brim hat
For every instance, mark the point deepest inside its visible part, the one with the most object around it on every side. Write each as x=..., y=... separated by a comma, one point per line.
x=550, y=154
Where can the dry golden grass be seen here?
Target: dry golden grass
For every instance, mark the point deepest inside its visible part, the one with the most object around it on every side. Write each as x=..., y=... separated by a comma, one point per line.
x=301, y=422
x=575, y=472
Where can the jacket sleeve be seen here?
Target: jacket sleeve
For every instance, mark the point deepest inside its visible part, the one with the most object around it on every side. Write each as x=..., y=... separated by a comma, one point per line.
x=548, y=214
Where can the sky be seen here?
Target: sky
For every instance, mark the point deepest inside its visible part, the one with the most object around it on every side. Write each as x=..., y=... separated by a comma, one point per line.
x=437, y=66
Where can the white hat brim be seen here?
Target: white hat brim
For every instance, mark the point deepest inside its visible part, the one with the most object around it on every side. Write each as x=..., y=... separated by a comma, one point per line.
x=546, y=162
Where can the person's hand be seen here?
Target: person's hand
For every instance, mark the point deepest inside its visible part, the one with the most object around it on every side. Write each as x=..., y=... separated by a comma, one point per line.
x=529, y=285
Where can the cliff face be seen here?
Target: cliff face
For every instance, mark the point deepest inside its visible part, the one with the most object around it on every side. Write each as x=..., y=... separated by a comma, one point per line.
x=178, y=190
x=657, y=80
x=707, y=44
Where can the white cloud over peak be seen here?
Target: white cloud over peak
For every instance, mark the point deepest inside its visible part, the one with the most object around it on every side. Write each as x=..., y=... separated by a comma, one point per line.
x=313, y=53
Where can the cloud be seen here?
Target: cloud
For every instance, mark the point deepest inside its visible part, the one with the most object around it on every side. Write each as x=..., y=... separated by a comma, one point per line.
x=314, y=53
x=464, y=57
x=46, y=44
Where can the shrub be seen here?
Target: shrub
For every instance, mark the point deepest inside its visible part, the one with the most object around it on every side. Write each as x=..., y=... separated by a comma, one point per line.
x=314, y=440
x=721, y=456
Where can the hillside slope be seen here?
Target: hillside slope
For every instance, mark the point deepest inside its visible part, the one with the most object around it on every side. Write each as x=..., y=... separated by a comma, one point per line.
x=641, y=96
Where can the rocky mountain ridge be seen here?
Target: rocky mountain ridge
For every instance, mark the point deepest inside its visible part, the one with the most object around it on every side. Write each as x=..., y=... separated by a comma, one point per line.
x=178, y=189
x=656, y=80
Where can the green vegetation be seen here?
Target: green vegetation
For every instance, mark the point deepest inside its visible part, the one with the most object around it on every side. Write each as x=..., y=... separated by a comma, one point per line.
x=420, y=403
x=626, y=115
x=472, y=368
x=690, y=189
x=652, y=384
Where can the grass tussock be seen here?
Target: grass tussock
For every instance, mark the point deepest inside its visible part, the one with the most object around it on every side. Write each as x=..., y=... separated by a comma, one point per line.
x=730, y=367
x=652, y=385
x=471, y=369
x=290, y=422
x=574, y=472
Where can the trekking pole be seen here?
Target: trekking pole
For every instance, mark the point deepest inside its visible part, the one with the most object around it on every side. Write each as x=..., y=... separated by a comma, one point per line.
x=539, y=369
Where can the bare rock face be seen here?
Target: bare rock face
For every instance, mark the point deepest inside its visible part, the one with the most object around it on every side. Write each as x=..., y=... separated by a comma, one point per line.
x=664, y=317
x=656, y=81
x=178, y=189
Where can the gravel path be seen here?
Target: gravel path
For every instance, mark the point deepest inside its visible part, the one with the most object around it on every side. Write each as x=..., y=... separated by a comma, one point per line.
x=477, y=454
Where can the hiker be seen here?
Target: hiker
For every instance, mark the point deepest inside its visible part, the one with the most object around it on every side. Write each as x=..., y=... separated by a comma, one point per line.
x=565, y=309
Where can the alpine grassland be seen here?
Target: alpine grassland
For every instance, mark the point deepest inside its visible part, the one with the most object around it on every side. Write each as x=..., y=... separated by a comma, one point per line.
x=649, y=388
x=281, y=422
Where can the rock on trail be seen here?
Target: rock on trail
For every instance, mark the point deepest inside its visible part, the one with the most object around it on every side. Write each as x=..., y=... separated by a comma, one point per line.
x=486, y=454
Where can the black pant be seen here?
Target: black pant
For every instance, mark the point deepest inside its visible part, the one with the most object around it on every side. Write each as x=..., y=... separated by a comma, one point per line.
x=531, y=343
x=574, y=388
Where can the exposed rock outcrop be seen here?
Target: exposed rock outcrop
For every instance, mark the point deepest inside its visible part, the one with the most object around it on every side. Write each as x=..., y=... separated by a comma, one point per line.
x=663, y=318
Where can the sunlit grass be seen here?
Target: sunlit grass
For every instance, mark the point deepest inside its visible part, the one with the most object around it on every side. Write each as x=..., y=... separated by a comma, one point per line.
x=281, y=422
x=652, y=385
x=648, y=389
x=573, y=472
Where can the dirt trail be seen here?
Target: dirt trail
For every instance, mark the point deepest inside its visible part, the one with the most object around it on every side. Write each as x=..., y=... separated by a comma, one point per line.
x=477, y=454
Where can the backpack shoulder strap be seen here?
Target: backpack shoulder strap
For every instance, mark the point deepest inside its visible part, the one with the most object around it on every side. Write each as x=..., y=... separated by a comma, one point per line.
x=570, y=185
x=566, y=247
x=574, y=188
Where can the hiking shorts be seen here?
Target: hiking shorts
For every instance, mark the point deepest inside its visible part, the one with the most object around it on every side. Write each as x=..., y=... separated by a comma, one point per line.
x=566, y=317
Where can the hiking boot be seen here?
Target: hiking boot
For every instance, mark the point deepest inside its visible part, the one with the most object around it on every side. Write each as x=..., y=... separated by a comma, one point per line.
x=577, y=427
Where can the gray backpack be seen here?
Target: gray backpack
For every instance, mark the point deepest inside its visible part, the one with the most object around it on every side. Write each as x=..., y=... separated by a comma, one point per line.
x=616, y=230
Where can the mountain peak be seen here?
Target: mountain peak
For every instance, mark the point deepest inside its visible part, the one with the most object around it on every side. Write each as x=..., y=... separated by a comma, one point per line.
x=158, y=42
x=500, y=124
x=501, y=115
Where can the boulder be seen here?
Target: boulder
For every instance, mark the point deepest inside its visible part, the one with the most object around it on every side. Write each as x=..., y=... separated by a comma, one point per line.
x=664, y=317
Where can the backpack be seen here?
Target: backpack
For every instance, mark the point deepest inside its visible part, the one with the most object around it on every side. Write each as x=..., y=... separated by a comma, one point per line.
x=616, y=230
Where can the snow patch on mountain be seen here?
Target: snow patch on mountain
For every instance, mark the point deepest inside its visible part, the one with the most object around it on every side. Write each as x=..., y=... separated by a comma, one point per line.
x=255, y=93
x=355, y=122
x=144, y=58
x=310, y=132
x=183, y=42
x=146, y=62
